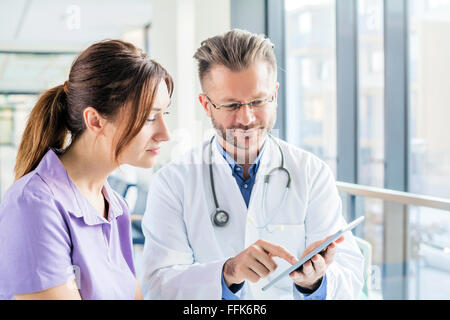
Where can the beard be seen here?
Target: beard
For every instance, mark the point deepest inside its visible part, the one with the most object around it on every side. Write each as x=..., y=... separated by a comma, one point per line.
x=244, y=145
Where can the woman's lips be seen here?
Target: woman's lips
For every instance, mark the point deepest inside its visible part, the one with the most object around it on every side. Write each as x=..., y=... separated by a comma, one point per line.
x=154, y=150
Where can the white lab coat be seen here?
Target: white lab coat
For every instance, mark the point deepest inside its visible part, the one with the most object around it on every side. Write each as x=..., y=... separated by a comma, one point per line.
x=184, y=252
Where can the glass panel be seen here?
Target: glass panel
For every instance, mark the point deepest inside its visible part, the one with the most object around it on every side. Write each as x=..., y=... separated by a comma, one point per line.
x=429, y=95
x=311, y=77
x=429, y=145
x=371, y=120
x=370, y=241
x=371, y=93
x=429, y=253
x=427, y=245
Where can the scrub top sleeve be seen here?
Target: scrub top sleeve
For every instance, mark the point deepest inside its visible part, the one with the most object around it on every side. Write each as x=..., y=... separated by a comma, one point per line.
x=37, y=250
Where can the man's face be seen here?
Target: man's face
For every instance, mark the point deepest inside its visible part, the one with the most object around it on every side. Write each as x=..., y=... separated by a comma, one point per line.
x=242, y=131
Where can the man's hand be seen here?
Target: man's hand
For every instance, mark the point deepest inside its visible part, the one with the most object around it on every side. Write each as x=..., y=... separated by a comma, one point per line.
x=254, y=263
x=314, y=269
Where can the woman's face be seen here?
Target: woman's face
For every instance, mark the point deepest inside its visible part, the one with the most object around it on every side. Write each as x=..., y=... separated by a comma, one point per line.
x=145, y=146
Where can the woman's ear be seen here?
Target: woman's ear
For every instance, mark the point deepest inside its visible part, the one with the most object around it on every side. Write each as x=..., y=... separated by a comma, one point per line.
x=94, y=122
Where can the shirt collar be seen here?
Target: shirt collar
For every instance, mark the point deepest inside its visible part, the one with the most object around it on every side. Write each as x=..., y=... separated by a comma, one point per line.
x=233, y=165
x=51, y=170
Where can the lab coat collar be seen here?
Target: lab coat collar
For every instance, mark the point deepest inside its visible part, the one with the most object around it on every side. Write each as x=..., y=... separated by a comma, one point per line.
x=51, y=170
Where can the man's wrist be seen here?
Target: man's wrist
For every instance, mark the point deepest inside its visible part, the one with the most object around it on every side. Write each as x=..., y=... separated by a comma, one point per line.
x=309, y=289
x=227, y=273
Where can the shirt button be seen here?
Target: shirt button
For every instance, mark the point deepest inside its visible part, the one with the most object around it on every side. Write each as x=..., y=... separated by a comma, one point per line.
x=245, y=186
x=238, y=169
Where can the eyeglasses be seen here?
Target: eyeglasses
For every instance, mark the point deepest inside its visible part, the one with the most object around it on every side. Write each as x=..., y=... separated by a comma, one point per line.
x=254, y=105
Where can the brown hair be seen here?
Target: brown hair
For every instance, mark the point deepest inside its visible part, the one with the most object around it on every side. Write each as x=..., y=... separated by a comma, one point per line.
x=237, y=50
x=108, y=76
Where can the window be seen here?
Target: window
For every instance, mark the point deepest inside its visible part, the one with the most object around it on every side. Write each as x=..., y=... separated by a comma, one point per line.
x=14, y=110
x=311, y=77
x=423, y=234
x=429, y=146
x=371, y=119
x=371, y=92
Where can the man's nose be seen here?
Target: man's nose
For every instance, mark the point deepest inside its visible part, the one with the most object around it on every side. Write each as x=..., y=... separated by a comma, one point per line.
x=245, y=115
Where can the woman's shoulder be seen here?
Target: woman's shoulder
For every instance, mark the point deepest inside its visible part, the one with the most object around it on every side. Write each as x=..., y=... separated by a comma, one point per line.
x=29, y=202
x=30, y=186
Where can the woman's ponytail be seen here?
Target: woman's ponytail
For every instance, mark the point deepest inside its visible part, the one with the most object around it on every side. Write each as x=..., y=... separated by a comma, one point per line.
x=46, y=128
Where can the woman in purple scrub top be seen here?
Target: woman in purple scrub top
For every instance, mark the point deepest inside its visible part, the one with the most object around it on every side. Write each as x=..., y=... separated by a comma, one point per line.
x=64, y=233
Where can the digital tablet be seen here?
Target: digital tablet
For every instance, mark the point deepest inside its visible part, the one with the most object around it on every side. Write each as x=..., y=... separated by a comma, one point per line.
x=317, y=250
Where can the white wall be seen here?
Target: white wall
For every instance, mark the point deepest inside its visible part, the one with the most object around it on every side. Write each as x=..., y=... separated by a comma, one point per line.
x=178, y=27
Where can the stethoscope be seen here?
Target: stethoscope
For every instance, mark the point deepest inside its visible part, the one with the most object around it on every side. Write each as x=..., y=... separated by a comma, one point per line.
x=220, y=218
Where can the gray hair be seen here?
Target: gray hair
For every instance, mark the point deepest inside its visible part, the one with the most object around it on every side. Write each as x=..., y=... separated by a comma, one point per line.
x=237, y=50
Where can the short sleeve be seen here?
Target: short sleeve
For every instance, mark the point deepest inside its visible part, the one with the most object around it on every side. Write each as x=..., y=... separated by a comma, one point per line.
x=35, y=250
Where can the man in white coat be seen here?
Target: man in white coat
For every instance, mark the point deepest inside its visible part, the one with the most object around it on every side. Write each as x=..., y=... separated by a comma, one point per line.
x=213, y=229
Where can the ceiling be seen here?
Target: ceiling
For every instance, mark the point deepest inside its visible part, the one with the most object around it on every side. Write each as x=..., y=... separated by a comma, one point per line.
x=40, y=38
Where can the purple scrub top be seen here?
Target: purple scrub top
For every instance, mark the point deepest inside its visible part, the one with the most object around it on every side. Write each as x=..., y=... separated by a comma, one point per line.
x=50, y=234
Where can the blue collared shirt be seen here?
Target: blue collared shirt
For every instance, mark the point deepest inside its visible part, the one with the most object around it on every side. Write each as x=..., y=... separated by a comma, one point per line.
x=246, y=186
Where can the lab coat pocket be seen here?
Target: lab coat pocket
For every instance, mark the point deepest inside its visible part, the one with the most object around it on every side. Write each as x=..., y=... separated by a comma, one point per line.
x=292, y=238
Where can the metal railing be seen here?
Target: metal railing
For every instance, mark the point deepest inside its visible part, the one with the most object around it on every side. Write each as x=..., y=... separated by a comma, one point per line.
x=384, y=194
x=394, y=196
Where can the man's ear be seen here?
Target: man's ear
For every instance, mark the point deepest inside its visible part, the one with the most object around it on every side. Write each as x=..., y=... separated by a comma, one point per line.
x=277, y=86
x=94, y=122
x=205, y=104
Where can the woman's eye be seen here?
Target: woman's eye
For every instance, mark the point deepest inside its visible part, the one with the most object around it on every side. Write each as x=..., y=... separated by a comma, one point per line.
x=153, y=118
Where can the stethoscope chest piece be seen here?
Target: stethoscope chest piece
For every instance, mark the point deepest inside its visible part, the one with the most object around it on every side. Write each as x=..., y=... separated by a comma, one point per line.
x=220, y=217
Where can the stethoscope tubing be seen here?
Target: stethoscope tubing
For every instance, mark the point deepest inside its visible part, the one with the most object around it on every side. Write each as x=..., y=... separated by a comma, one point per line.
x=215, y=216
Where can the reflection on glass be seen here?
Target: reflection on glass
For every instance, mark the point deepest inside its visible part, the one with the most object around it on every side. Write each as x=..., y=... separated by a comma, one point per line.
x=311, y=77
x=429, y=145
